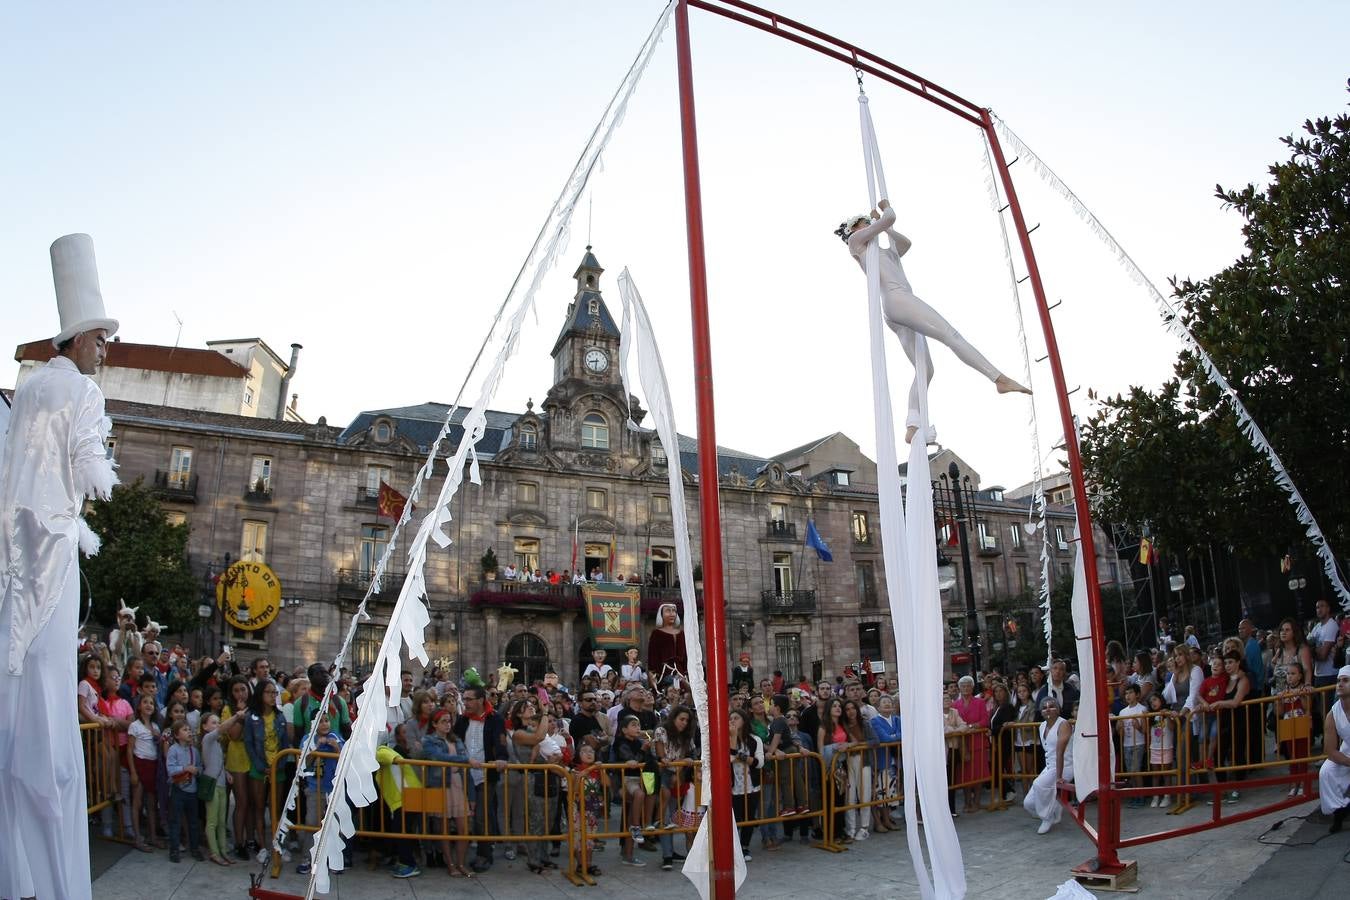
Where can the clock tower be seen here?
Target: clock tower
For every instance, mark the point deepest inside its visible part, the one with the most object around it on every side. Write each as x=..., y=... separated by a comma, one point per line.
x=588, y=345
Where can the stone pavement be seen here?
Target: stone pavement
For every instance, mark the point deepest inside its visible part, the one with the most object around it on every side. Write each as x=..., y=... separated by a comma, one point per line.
x=1005, y=859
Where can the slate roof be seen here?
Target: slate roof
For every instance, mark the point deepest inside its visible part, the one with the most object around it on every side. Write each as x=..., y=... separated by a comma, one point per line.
x=728, y=460
x=202, y=420
x=804, y=448
x=579, y=319
x=421, y=423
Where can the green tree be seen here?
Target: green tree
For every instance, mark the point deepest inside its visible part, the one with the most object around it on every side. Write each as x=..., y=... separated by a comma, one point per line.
x=1025, y=608
x=1277, y=325
x=143, y=560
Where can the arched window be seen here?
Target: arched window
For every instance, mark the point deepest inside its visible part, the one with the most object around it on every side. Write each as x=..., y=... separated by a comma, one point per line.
x=529, y=437
x=595, y=431
x=529, y=656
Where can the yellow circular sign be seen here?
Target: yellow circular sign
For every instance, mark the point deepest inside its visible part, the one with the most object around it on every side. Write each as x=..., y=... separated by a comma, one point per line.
x=249, y=595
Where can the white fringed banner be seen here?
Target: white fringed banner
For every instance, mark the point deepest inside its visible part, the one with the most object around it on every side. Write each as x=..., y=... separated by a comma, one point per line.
x=1172, y=321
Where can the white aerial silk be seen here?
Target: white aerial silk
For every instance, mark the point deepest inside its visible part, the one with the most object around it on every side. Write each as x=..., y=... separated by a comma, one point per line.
x=637, y=336
x=53, y=458
x=908, y=540
x=1085, y=745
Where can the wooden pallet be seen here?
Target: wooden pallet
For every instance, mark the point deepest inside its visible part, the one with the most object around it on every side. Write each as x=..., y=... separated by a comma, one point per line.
x=1125, y=881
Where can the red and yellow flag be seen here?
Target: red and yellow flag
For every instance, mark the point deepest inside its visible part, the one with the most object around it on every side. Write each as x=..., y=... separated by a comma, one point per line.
x=391, y=502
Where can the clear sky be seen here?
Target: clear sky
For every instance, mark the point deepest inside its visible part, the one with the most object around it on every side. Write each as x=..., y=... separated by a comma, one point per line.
x=366, y=179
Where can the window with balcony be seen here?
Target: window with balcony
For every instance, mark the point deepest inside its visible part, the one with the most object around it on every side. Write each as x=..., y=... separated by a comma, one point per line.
x=1061, y=541
x=374, y=539
x=529, y=437
x=777, y=512
x=660, y=504
x=376, y=474
x=595, y=431
x=659, y=460
x=597, y=500
x=986, y=536
x=782, y=573
x=180, y=467
x=253, y=545
x=260, y=475
x=862, y=529
x=527, y=493
x=526, y=553
x=1015, y=539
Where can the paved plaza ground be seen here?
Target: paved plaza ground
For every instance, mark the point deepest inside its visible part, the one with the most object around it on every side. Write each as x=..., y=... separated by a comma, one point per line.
x=1005, y=859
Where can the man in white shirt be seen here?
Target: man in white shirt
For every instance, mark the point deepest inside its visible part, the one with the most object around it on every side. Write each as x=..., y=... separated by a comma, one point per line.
x=1322, y=642
x=509, y=573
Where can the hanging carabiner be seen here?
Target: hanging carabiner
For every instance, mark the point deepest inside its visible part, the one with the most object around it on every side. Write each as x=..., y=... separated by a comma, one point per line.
x=858, y=74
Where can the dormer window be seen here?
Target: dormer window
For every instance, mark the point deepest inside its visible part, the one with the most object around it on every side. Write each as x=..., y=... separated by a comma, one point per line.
x=529, y=437
x=383, y=432
x=841, y=479
x=595, y=432
x=658, y=455
x=593, y=307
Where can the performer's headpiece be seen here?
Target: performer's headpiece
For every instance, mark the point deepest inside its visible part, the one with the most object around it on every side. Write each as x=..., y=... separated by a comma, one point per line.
x=125, y=610
x=152, y=625
x=847, y=226
x=78, y=298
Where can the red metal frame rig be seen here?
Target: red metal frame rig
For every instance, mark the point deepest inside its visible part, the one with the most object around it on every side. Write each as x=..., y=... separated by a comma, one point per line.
x=1107, y=833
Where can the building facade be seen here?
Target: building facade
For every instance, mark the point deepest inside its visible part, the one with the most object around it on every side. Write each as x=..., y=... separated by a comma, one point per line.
x=565, y=486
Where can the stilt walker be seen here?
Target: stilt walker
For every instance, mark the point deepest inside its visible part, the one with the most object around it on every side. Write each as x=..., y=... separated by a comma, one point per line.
x=53, y=459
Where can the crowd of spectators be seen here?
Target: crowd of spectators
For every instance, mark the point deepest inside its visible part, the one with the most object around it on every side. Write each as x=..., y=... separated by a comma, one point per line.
x=189, y=746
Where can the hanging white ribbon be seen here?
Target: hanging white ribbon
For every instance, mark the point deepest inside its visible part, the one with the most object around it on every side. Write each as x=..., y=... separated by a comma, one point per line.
x=1176, y=326
x=909, y=550
x=1036, y=514
x=353, y=778
x=637, y=337
x=1086, y=744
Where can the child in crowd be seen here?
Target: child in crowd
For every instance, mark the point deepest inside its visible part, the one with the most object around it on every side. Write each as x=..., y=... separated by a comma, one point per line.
x=143, y=757
x=119, y=713
x=632, y=750
x=213, y=768
x=441, y=745
x=184, y=765
x=1132, y=726
x=1294, y=727
x=319, y=785
x=1161, y=746
x=593, y=801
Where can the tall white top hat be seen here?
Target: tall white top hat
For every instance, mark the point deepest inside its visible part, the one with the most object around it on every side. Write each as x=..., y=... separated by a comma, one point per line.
x=78, y=298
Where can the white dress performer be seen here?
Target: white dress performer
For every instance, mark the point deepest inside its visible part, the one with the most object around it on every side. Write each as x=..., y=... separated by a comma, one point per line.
x=1333, y=780
x=53, y=458
x=904, y=312
x=1042, y=799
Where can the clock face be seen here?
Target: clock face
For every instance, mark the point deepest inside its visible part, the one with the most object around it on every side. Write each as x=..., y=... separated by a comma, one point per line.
x=597, y=360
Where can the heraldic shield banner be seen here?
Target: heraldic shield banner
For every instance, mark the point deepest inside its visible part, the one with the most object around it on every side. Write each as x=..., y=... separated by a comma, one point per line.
x=615, y=614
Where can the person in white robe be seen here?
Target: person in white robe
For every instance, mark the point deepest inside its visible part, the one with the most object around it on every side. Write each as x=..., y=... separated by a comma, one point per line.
x=125, y=641
x=1042, y=799
x=53, y=458
x=905, y=313
x=1333, y=779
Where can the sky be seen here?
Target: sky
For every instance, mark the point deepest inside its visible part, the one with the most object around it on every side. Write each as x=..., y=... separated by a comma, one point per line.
x=365, y=179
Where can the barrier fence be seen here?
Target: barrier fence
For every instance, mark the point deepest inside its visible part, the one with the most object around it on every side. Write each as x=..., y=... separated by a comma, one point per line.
x=830, y=796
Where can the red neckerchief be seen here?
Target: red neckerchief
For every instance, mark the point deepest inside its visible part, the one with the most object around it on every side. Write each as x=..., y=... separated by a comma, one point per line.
x=487, y=711
x=96, y=685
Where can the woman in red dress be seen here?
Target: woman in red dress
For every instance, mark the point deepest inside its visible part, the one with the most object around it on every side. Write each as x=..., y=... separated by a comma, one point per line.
x=975, y=752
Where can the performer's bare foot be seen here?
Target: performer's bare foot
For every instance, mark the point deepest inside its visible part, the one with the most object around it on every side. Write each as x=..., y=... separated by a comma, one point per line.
x=1006, y=385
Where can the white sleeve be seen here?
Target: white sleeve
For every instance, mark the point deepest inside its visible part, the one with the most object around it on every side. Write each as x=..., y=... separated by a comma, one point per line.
x=858, y=239
x=1193, y=696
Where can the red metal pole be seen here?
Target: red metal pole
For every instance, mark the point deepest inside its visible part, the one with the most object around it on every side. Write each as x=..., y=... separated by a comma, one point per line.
x=723, y=875
x=1108, y=803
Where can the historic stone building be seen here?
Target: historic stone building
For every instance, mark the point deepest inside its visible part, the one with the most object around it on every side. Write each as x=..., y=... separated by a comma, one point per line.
x=565, y=485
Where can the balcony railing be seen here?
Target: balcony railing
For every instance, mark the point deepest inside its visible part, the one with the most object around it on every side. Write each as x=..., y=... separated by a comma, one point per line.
x=179, y=486
x=562, y=596
x=788, y=601
x=778, y=530
x=987, y=545
x=366, y=496
x=353, y=583
x=259, y=491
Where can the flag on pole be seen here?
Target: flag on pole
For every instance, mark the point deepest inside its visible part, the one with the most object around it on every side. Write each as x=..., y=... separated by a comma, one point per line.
x=613, y=551
x=816, y=543
x=391, y=502
x=576, y=529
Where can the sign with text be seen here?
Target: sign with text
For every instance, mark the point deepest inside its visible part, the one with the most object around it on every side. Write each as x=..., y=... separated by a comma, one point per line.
x=249, y=595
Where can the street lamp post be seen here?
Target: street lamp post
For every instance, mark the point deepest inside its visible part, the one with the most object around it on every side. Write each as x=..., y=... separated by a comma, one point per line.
x=954, y=491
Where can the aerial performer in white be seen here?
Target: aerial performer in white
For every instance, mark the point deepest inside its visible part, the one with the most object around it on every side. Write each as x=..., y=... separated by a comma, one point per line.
x=905, y=313
x=52, y=459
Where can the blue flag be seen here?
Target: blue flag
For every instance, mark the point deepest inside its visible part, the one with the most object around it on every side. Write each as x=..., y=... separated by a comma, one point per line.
x=815, y=542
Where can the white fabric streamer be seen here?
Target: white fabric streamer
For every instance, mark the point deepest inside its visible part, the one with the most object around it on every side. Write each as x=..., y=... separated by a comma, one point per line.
x=908, y=542
x=637, y=336
x=1172, y=321
x=1085, y=748
x=353, y=778
x=1037, y=509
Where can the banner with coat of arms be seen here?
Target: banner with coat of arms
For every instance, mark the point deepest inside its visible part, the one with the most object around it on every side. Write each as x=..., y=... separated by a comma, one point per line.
x=614, y=612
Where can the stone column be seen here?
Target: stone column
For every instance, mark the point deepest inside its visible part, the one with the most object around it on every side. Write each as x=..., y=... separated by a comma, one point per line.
x=492, y=647
x=568, y=664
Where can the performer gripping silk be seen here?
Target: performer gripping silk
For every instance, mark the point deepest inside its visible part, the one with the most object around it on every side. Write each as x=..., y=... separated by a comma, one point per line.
x=904, y=312
x=53, y=458
x=1334, y=776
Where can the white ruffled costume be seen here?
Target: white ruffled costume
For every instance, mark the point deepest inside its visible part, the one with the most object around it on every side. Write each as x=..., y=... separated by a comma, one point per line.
x=1334, y=778
x=53, y=458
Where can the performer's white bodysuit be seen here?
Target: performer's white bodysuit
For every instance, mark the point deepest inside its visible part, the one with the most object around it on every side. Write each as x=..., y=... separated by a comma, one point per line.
x=905, y=313
x=53, y=458
x=1334, y=778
